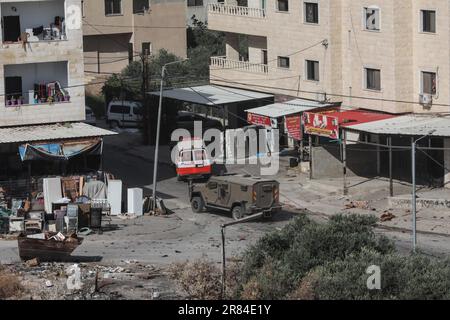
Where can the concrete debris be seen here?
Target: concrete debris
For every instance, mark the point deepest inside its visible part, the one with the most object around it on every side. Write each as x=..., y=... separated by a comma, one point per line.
x=32, y=263
x=387, y=216
x=358, y=205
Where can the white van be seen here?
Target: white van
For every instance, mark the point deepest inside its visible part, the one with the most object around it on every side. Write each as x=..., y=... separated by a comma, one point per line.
x=124, y=114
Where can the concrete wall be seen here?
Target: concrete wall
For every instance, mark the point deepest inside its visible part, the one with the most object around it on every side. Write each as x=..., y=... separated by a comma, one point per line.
x=107, y=52
x=165, y=27
x=327, y=161
x=399, y=49
x=70, y=51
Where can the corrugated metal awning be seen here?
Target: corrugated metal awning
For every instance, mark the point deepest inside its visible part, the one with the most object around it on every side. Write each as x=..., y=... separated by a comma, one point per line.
x=49, y=132
x=212, y=95
x=408, y=125
x=278, y=110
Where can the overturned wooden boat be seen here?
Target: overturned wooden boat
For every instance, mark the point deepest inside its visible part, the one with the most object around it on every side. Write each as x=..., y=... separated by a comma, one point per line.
x=48, y=249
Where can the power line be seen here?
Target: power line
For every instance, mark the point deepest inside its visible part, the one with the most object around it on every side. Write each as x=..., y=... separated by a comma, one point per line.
x=225, y=80
x=113, y=39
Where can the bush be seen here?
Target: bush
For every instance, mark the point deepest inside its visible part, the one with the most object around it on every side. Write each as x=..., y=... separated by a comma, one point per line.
x=9, y=285
x=302, y=246
x=97, y=104
x=402, y=277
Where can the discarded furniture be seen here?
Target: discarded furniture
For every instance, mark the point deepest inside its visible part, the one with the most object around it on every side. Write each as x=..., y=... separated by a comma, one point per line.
x=47, y=249
x=135, y=201
x=115, y=196
x=52, y=192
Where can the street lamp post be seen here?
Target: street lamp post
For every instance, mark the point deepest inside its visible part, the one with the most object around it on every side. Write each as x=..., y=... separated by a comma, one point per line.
x=158, y=127
x=414, y=198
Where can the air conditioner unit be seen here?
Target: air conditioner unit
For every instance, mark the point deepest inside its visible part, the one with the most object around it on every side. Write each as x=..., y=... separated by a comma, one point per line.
x=321, y=97
x=426, y=100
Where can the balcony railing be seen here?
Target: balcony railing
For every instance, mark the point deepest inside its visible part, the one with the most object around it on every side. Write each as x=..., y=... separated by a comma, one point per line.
x=236, y=10
x=224, y=63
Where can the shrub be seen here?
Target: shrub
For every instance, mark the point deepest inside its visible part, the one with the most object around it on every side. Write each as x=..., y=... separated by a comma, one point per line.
x=97, y=104
x=9, y=285
x=199, y=279
x=402, y=277
x=302, y=246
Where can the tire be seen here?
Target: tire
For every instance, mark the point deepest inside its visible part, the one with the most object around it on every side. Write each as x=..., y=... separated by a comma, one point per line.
x=114, y=124
x=237, y=213
x=197, y=204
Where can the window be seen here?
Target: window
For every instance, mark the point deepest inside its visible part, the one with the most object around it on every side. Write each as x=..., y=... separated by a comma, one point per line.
x=140, y=6
x=264, y=57
x=146, y=48
x=212, y=185
x=428, y=21
x=119, y=109
x=195, y=3
x=186, y=156
x=373, y=79
x=130, y=52
x=13, y=87
x=372, y=19
x=312, y=70
x=311, y=12
x=200, y=155
x=113, y=7
x=11, y=28
x=429, y=81
x=283, y=62
x=283, y=5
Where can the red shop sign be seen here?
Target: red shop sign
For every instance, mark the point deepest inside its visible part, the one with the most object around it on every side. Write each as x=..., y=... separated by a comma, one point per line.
x=294, y=127
x=321, y=125
x=259, y=120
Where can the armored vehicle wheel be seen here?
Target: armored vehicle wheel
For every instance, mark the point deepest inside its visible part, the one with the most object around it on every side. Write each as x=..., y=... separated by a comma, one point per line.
x=197, y=204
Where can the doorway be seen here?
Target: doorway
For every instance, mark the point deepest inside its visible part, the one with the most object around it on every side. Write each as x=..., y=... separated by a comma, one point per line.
x=13, y=87
x=11, y=27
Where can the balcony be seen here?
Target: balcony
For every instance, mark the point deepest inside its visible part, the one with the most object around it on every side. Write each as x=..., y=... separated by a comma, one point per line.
x=216, y=8
x=227, y=64
x=237, y=19
x=36, y=84
x=33, y=21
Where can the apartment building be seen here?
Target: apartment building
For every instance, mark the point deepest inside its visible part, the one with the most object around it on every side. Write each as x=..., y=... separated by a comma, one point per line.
x=42, y=90
x=117, y=31
x=390, y=56
x=41, y=62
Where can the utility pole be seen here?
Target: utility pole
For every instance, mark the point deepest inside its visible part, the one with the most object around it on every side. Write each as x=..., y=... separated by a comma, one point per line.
x=158, y=129
x=414, y=198
x=145, y=87
x=222, y=229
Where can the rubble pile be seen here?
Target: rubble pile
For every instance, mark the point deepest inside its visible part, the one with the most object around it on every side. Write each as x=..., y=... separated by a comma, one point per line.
x=52, y=281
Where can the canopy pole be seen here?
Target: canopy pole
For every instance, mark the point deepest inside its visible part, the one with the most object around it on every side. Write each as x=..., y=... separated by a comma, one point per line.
x=310, y=157
x=301, y=150
x=391, y=181
x=378, y=156
x=344, y=160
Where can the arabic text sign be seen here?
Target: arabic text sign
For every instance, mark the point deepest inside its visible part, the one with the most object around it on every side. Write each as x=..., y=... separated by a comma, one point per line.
x=294, y=127
x=321, y=125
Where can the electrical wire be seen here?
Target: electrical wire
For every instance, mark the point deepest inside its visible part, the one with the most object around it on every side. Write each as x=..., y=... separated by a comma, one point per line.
x=225, y=80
